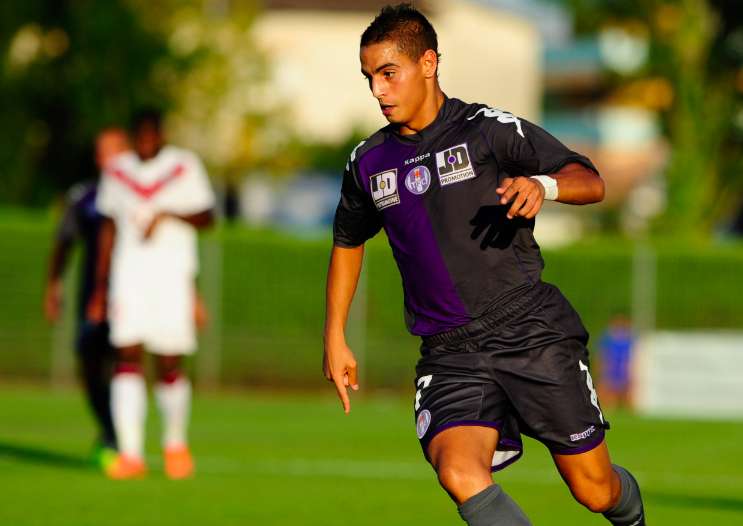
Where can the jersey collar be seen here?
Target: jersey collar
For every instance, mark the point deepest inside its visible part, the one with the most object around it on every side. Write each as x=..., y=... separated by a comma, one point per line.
x=442, y=117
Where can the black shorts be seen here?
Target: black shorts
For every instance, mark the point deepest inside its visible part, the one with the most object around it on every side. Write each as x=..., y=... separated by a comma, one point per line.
x=523, y=369
x=93, y=341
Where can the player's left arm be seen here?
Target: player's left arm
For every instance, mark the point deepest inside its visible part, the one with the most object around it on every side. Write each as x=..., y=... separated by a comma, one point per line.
x=198, y=220
x=538, y=166
x=574, y=184
x=196, y=203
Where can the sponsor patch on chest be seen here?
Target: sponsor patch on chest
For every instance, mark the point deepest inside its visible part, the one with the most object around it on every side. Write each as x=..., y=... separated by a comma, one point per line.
x=454, y=165
x=383, y=188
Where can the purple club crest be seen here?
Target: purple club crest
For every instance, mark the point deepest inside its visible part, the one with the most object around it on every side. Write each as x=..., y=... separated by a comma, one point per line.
x=418, y=180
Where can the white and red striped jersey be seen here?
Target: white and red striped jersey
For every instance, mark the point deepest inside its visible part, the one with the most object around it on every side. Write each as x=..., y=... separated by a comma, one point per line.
x=133, y=191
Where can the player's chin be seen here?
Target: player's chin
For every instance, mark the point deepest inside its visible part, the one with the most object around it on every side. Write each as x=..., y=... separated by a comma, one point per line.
x=392, y=116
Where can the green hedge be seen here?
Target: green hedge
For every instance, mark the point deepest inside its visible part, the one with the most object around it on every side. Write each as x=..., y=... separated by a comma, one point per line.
x=267, y=314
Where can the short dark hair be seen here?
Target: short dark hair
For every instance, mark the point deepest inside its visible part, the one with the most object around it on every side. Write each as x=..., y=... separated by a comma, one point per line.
x=148, y=115
x=407, y=27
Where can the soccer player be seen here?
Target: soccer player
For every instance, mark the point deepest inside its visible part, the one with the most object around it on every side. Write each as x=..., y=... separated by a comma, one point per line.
x=154, y=202
x=81, y=222
x=456, y=187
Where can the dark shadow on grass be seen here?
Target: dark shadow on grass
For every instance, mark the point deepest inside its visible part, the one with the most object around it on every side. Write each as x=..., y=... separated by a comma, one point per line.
x=47, y=457
x=677, y=500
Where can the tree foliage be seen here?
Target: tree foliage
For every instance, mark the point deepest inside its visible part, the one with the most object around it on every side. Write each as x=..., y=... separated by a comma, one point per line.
x=69, y=68
x=696, y=48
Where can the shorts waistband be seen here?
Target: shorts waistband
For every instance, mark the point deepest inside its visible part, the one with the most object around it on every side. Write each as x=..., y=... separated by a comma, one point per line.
x=492, y=320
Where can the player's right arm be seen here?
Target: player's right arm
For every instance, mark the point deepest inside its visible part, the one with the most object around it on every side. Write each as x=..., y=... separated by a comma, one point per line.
x=339, y=364
x=356, y=221
x=107, y=203
x=96, y=310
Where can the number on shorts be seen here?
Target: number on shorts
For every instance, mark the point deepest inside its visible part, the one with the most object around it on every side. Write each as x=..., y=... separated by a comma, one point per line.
x=423, y=382
x=591, y=389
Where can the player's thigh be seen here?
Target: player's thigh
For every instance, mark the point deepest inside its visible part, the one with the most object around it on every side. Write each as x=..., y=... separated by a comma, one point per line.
x=467, y=447
x=130, y=353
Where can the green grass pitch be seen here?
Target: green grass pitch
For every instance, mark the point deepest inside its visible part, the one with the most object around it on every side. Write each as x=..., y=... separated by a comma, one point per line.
x=291, y=459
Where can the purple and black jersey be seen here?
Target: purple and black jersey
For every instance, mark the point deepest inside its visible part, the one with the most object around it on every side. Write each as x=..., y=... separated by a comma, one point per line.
x=82, y=221
x=434, y=194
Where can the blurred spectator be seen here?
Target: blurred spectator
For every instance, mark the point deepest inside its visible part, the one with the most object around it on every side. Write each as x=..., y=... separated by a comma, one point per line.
x=615, y=358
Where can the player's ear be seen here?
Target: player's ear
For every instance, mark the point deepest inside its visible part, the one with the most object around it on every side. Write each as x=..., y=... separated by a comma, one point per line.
x=430, y=62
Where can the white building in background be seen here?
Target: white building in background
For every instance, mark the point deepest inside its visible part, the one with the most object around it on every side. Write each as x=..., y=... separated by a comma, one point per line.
x=488, y=56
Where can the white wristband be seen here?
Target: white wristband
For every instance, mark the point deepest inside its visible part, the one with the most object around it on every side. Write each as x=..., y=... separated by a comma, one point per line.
x=549, y=184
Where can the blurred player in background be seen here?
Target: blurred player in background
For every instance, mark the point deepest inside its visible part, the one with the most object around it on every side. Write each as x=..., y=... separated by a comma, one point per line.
x=81, y=222
x=153, y=201
x=615, y=359
x=456, y=187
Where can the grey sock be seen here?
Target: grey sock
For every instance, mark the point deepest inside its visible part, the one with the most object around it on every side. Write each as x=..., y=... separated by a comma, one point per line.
x=492, y=507
x=628, y=511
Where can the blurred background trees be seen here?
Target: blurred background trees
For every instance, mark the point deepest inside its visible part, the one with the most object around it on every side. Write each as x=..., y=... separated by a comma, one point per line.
x=693, y=76
x=69, y=68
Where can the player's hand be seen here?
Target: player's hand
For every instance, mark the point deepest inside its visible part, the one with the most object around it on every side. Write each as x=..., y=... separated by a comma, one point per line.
x=53, y=301
x=525, y=194
x=200, y=314
x=150, y=228
x=339, y=367
x=96, y=309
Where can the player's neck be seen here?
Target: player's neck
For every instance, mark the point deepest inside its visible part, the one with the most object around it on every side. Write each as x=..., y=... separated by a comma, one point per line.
x=150, y=155
x=426, y=115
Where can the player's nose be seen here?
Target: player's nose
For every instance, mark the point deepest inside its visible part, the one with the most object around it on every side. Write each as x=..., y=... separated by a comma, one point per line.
x=377, y=90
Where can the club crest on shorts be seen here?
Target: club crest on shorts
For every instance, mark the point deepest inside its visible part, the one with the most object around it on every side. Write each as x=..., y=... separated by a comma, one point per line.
x=454, y=165
x=384, y=189
x=424, y=420
x=418, y=180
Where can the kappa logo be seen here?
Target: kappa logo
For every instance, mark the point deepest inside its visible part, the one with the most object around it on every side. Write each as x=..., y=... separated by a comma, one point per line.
x=454, y=165
x=417, y=159
x=585, y=434
x=384, y=189
x=501, y=116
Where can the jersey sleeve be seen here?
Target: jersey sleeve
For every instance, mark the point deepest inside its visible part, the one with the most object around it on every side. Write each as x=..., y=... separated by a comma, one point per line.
x=69, y=226
x=523, y=148
x=196, y=193
x=356, y=218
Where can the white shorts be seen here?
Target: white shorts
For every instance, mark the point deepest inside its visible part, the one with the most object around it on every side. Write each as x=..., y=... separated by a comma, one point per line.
x=155, y=310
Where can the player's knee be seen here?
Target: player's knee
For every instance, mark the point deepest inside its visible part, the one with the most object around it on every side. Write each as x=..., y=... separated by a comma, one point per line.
x=168, y=368
x=462, y=481
x=594, y=494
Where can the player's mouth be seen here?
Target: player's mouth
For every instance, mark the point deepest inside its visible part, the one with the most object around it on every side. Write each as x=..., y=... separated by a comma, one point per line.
x=386, y=109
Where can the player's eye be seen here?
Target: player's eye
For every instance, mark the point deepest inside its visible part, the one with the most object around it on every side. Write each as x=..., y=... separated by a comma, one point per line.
x=388, y=74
